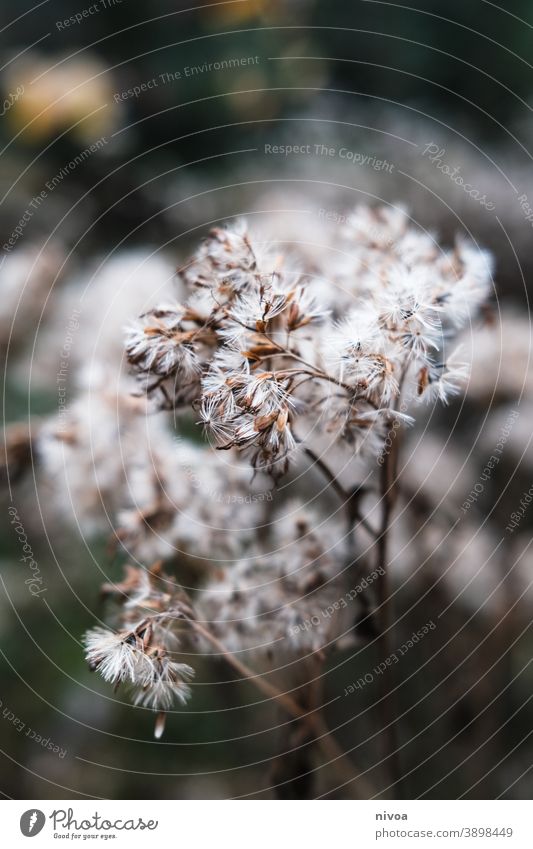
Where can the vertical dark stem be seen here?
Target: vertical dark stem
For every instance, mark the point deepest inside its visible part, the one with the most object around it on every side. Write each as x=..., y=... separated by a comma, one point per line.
x=347, y=772
x=385, y=642
x=294, y=774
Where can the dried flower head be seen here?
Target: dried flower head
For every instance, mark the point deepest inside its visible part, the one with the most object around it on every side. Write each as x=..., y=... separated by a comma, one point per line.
x=284, y=362
x=267, y=356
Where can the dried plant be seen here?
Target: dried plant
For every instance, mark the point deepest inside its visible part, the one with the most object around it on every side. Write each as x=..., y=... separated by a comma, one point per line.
x=291, y=363
x=305, y=365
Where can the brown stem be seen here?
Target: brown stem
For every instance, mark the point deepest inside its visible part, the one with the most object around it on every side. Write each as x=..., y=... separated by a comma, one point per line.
x=387, y=701
x=315, y=722
x=290, y=705
x=309, y=369
x=347, y=498
x=293, y=775
x=326, y=471
x=286, y=352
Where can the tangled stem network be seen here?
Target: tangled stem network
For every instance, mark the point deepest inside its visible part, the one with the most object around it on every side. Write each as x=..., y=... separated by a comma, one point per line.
x=282, y=358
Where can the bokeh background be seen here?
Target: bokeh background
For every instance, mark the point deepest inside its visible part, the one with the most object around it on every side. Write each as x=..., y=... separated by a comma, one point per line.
x=123, y=175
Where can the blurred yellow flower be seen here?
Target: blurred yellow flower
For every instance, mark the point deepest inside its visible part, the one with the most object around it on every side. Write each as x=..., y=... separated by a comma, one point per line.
x=59, y=94
x=240, y=10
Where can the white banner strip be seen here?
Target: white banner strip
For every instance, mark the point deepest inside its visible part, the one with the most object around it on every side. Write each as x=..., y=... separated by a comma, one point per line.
x=264, y=824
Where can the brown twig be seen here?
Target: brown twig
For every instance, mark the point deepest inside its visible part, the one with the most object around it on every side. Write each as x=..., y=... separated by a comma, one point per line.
x=348, y=498
x=387, y=701
x=313, y=719
x=326, y=471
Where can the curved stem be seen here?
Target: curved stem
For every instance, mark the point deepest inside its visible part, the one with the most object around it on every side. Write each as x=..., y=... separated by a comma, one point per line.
x=326, y=471
x=346, y=497
x=290, y=705
x=313, y=720
x=310, y=368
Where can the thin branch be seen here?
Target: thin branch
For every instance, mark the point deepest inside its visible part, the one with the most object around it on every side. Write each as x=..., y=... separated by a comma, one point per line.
x=346, y=497
x=313, y=719
x=287, y=352
x=326, y=471
x=388, y=706
x=290, y=705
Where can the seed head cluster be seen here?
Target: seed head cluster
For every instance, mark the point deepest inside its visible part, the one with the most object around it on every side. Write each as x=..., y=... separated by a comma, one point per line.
x=261, y=353
x=279, y=353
